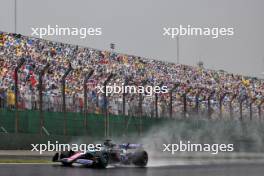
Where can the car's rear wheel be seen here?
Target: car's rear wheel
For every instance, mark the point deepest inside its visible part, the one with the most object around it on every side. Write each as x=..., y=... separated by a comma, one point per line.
x=55, y=158
x=140, y=158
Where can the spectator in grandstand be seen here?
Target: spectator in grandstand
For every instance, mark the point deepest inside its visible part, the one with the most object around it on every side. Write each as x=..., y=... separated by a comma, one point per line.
x=10, y=99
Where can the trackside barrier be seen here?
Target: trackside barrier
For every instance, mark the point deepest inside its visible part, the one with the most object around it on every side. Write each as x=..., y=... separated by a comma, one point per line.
x=23, y=141
x=29, y=123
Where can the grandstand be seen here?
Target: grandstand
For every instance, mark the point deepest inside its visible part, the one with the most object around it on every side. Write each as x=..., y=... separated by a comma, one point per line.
x=193, y=90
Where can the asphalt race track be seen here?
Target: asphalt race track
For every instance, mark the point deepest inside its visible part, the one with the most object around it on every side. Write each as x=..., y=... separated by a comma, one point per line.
x=177, y=170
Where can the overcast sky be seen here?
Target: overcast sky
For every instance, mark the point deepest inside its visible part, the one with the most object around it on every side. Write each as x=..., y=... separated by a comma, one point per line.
x=136, y=27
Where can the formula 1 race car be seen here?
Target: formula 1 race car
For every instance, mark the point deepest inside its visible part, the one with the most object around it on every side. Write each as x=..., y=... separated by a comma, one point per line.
x=110, y=154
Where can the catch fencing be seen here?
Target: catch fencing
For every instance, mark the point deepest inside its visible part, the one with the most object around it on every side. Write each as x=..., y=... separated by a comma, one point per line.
x=76, y=124
x=68, y=114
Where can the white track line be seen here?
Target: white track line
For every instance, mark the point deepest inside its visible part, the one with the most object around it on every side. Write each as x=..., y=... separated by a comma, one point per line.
x=26, y=163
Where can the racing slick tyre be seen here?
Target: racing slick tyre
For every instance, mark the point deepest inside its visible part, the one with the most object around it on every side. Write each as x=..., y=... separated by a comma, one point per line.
x=66, y=154
x=102, y=161
x=140, y=158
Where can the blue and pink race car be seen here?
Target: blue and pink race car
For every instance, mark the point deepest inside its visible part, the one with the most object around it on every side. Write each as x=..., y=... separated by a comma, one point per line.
x=110, y=154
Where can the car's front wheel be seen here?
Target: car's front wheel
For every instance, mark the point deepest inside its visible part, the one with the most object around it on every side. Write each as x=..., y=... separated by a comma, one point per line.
x=102, y=160
x=66, y=154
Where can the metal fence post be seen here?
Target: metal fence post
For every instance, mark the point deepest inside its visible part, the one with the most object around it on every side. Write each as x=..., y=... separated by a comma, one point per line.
x=170, y=105
x=197, y=100
x=63, y=97
x=156, y=106
x=124, y=96
x=171, y=91
x=231, y=106
x=241, y=108
x=106, y=106
x=156, y=103
x=124, y=101
x=221, y=104
x=87, y=77
x=19, y=65
x=209, y=104
x=259, y=108
x=250, y=107
x=40, y=87
x=140, y=104
x=185, y=102
x=184, y=105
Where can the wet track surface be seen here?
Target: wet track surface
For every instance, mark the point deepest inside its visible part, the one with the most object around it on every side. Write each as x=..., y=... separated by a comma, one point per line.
x=187, y=170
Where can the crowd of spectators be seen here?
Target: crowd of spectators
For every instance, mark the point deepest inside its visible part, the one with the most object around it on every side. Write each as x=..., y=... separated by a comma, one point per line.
x=190, y=80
